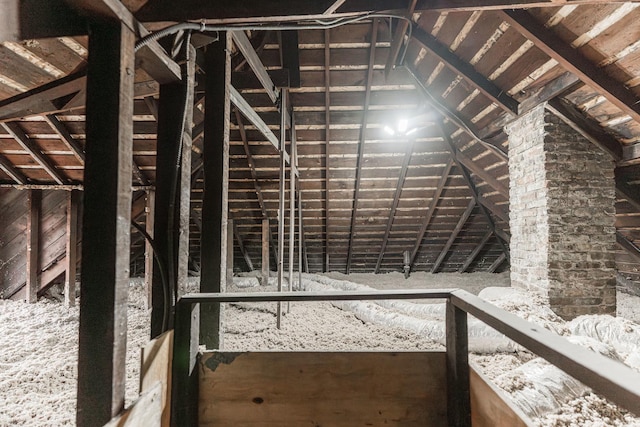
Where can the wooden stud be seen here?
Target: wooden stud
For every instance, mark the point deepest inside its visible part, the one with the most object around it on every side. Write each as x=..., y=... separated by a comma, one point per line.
x=458, y=394
x=281, y=202
x=230, y=250
x=33, y=244
x=105, y=225
x=327, y=145
x=71, y=260
x=361, y=141
x=454, y=234
x=292, y=206
x=266, y=232
x=213, y=247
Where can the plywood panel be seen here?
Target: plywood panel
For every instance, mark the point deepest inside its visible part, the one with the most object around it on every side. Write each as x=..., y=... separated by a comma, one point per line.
x=157, y=356
x=322, y=389
x=489, y=408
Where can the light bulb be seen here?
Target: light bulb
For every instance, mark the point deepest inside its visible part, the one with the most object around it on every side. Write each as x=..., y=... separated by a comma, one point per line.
x=402, y=125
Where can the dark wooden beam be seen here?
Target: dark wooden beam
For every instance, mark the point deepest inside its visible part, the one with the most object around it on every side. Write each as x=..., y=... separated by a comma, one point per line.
x=362, y=138
x=33, y=150
x=466, y=70
x=8, y=168
x=71, y=259
x=458, y=389
x=254, y=177
x=290, y=56
x=481, y=173
x=266, y=232
x=105, y=242
x=33, y=244
x=151, y=57
x=281, y=205
x=398, y=38
x=327, y=147
x=230, y=252
x=243, y=44
x=573, y=61
x=216, y=183
x=284, y=10
x=454, y=235
x=586, y=127
x=173, y=185
x=243, y=250
x=456, y=118
x=497, y=263
x=474, y=191
x=556, y=87
x=430, y=211
x=66, y=137
x=626, y=244
x=474, y=254
x=624, y=189
x=65, y=94
x=396, y=200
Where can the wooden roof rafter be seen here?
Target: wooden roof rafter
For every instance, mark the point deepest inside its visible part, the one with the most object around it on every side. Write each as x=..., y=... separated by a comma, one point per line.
x=362, y=138
x=34, y=151
x=396, y=200
x=454, y=235
x=573, y=61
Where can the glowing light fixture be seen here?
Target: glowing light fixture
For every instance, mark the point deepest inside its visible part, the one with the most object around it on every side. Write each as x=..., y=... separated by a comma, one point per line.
x=389, y=130
x=402, y=125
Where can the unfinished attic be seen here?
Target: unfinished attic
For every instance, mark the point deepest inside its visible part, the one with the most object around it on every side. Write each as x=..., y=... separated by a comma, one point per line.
x=327, y=213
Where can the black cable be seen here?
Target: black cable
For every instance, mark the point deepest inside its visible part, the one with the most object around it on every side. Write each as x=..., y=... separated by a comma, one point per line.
x=163, y=274
x=176, y=178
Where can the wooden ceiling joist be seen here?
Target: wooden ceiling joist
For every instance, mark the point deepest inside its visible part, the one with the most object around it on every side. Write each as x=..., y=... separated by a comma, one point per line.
x=454, y=235
x=33, y=150
x=361, y=141
x=466, y=70
x=545, y=40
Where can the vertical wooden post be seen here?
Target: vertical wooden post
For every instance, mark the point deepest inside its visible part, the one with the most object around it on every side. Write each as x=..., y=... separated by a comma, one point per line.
x=292, y=212
x=213, y=245
x=458, y=395
x=33, y=243
x=229, y=275
x=184, y=385
x=148, y=249
x=73, y=199
x=264, y=279
x=173, y=185
x=300, y=244
x=106, y=223
x=283, y=183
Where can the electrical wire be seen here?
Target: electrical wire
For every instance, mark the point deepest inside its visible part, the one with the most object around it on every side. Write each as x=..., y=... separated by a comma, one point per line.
x=163, y=274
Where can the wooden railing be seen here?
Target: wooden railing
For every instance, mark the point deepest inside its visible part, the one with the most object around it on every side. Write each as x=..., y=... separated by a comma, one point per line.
x=611, y=379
